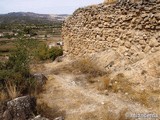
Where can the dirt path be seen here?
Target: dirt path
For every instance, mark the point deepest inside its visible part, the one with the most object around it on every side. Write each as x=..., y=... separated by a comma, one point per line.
x=75, y=101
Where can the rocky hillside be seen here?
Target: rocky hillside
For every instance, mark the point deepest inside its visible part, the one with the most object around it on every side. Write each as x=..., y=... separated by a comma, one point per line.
x=29, y=17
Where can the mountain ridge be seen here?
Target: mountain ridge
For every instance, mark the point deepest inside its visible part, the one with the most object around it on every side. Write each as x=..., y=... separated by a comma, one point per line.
x=30, y=17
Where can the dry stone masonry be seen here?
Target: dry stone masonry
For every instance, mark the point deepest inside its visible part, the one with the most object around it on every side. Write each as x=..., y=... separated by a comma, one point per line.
x=132, y=30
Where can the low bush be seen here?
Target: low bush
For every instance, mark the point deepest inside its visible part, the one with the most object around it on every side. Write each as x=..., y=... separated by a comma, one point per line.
x=87, y=66
x=54, y=52
x=43, y=52
x=15, y=77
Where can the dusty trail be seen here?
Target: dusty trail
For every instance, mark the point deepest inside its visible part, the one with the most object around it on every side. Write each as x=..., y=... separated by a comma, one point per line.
x=84, y=103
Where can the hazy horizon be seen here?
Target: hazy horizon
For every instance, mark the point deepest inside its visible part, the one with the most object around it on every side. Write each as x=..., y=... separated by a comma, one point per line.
x=44, y=7
x=33, y=12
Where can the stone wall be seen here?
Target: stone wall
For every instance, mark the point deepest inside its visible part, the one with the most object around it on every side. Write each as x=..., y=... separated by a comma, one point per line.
x=132, y=31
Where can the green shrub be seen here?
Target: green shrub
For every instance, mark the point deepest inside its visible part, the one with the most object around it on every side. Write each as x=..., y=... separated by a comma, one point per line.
x=15, y=72
x=54, y=52
x=41, y=52
x=44, y=52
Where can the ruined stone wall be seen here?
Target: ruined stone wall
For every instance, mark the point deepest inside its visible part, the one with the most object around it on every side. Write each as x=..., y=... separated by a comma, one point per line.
x=131, y=31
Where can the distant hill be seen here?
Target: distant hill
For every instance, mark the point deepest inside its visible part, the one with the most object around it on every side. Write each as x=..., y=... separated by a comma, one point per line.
x=29, y=17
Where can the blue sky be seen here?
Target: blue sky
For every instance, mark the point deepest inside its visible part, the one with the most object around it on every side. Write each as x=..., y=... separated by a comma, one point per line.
x=44, y=6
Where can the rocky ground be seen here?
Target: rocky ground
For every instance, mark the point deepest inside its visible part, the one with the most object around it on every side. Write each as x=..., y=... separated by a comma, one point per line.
x=72, y=91
x=70, y=95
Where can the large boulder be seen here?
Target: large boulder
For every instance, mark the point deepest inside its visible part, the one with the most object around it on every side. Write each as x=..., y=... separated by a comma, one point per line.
x=40, y=79
x=20, y=108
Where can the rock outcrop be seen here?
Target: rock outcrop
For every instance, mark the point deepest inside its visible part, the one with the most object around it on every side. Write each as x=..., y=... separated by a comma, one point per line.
x=21, y=108
x=40, y=79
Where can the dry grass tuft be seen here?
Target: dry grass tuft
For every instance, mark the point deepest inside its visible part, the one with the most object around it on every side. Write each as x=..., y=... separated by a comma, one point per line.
x=103, y=83
x=146, y=98
x=63, y=69
x=140, y=97
x=87, y=66
x=3, y=96
x=121, y=84
x=49, y=112
x=122, y=115
x=12, y=90
x=81, y=66
x=107, y=112
x=89, y=116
